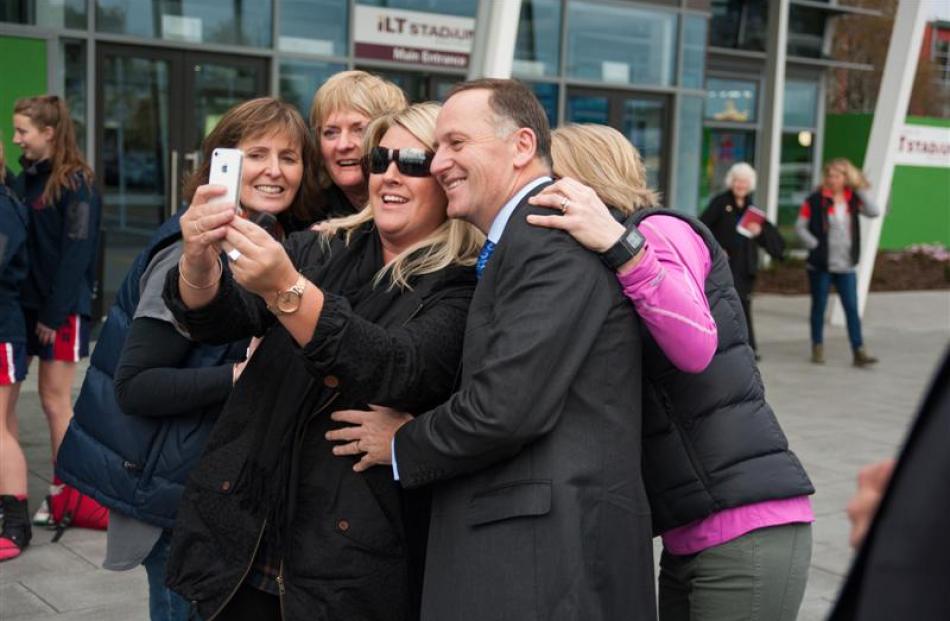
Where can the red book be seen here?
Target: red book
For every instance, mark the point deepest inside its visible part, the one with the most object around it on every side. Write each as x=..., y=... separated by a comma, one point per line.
x=752, y=215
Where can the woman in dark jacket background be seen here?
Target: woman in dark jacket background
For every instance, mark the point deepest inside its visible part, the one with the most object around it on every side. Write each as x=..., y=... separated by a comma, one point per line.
x=271, y=524
x=722, y=216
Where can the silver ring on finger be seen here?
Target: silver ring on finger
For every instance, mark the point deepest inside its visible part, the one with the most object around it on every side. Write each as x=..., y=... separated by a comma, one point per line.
x=234, y=254
x=564, y=203
x=198, y=230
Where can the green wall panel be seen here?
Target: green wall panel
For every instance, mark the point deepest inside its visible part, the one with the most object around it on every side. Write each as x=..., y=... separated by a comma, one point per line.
x=920, y=196
x=23, y=67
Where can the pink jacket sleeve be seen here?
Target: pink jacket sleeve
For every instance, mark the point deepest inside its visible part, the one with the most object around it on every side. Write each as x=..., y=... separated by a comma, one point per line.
x=666, y=288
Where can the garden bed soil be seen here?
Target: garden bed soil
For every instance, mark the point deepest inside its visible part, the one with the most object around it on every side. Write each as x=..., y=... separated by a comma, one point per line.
x=893, y=271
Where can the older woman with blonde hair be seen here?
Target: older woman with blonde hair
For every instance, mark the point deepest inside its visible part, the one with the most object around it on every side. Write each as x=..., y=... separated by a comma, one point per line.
x=727, y=496
x=371, y=310
x=722, y=216
x=342, y=108
x=828, y=224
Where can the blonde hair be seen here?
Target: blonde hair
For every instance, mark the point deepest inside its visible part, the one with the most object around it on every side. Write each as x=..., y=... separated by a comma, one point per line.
x=602, y=158
x=370, y=95
x=69, y=166
x=453, y=242
x=741, y=169
x=854, y=178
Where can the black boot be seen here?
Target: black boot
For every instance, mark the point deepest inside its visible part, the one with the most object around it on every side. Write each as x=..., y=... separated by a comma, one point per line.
x=17, y=531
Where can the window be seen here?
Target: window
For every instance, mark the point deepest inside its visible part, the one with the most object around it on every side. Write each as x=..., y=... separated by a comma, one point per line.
x=538, y=46
x=688, y=154
x=806, y=32
x=619, y=44
x=314, y=27
x=795, y=181
x=731, y=100
x=547, y=95
x=941, y=58
x=694, y=51
x=73, y=63
x=49, y=13
x=299, y=80
x=739, y=24
x=801, y=103
x=196, y=21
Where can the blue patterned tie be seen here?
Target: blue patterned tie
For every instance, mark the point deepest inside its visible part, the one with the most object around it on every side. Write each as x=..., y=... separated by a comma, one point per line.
x=483, y=257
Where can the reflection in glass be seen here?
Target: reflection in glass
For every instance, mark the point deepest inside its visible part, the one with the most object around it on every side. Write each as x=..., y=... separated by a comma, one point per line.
x=688, y=154
x=234, y=22
x=801, y=104
x=547, y=95
x=299, y=80
x=134, y=156
x=721, y=149
x=643, y=125
x=731, y=100
x=217, y=88
x=620, y=44
x=73, y=80
x=795, y=183
x=314, y=27
x=49, y=13
x=419, y=86
x=806, y=31
x=588, y=109
x=462, y=8
x=694, y=51
x=740, y=24
x=538, y=46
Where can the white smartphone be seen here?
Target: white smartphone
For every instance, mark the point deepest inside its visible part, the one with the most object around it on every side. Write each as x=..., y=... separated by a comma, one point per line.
x=225, y=170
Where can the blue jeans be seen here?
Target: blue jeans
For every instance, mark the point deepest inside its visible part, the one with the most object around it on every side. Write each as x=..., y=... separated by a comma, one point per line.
x=847, y=286
x=163, y=603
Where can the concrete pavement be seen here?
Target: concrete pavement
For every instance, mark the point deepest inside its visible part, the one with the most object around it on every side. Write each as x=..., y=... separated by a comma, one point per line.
x=837, y=419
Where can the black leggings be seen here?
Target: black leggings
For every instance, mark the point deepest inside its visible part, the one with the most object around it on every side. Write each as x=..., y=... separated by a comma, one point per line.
x=250, y=604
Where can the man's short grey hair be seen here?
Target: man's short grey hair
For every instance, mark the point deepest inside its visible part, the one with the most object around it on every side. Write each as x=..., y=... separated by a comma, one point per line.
x=741, y=169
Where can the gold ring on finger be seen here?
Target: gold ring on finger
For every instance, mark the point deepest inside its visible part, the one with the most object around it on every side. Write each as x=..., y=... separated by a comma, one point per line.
x=564, y=203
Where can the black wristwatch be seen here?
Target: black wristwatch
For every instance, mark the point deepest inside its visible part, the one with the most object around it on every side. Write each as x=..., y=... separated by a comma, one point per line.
x=625, y=249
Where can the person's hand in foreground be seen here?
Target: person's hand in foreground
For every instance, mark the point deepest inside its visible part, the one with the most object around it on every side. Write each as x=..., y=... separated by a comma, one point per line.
x=872, y=481
x=370, y=433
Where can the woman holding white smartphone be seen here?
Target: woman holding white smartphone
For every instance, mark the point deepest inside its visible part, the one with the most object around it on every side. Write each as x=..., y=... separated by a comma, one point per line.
x=134, y=450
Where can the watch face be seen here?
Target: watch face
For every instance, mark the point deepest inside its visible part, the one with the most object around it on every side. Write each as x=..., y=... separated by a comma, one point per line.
x=288, y=301
x=633, y=240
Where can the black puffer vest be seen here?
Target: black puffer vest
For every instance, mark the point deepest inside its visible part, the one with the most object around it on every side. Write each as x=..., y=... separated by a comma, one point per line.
x=710, y=440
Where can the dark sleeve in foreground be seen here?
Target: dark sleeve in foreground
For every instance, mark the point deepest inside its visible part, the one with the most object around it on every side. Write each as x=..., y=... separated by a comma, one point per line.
x=551, y=298
x=408, y=367
x=149, y=380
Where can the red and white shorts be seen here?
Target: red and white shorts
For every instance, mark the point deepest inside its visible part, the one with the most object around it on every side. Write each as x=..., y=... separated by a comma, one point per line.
x=70, y=345
x=12, y=363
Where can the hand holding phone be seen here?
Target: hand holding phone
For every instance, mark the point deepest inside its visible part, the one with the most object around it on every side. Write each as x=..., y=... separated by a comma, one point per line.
x=226, y=165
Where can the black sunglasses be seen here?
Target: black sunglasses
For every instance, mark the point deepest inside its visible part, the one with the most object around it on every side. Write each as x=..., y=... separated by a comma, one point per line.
x=410, y=162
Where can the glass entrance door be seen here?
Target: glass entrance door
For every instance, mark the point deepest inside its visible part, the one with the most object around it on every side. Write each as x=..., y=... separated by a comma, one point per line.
x=643, y=119
x=154, y=108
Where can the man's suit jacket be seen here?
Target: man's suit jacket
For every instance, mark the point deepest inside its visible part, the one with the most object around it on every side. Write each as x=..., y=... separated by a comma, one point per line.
x=539, y=511
x=902, y=570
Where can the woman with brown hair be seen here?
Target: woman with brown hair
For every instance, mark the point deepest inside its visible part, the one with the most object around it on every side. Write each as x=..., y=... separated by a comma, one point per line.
x=829, y=227
x=727, y=496
x=57, y=186
x=342, y=108
x=151, y=395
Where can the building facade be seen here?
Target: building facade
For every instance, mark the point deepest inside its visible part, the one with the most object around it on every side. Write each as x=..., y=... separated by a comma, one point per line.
x=147, y=79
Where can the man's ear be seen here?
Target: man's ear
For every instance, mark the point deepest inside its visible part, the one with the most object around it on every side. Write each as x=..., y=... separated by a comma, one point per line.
x=526, y=146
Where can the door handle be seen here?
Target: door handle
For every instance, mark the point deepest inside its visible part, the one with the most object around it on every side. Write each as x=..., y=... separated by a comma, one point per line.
x=193, y=158
x=173, y=190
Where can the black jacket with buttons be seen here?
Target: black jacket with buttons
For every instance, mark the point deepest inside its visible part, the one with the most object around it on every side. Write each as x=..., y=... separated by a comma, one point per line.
x=354, y=544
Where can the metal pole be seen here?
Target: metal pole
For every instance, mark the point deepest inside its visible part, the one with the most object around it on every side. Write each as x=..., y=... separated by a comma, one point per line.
x=496, y=29
x=889, y=115
x=774, y=106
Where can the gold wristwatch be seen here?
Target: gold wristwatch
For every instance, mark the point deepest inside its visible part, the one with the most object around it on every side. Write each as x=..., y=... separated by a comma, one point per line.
x=288, y=301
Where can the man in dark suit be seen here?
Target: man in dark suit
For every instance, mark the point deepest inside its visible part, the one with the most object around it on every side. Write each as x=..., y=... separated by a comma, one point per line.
x=538, y=508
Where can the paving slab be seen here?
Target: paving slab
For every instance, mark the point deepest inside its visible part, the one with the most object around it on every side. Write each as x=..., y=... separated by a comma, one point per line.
x=837, y=419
